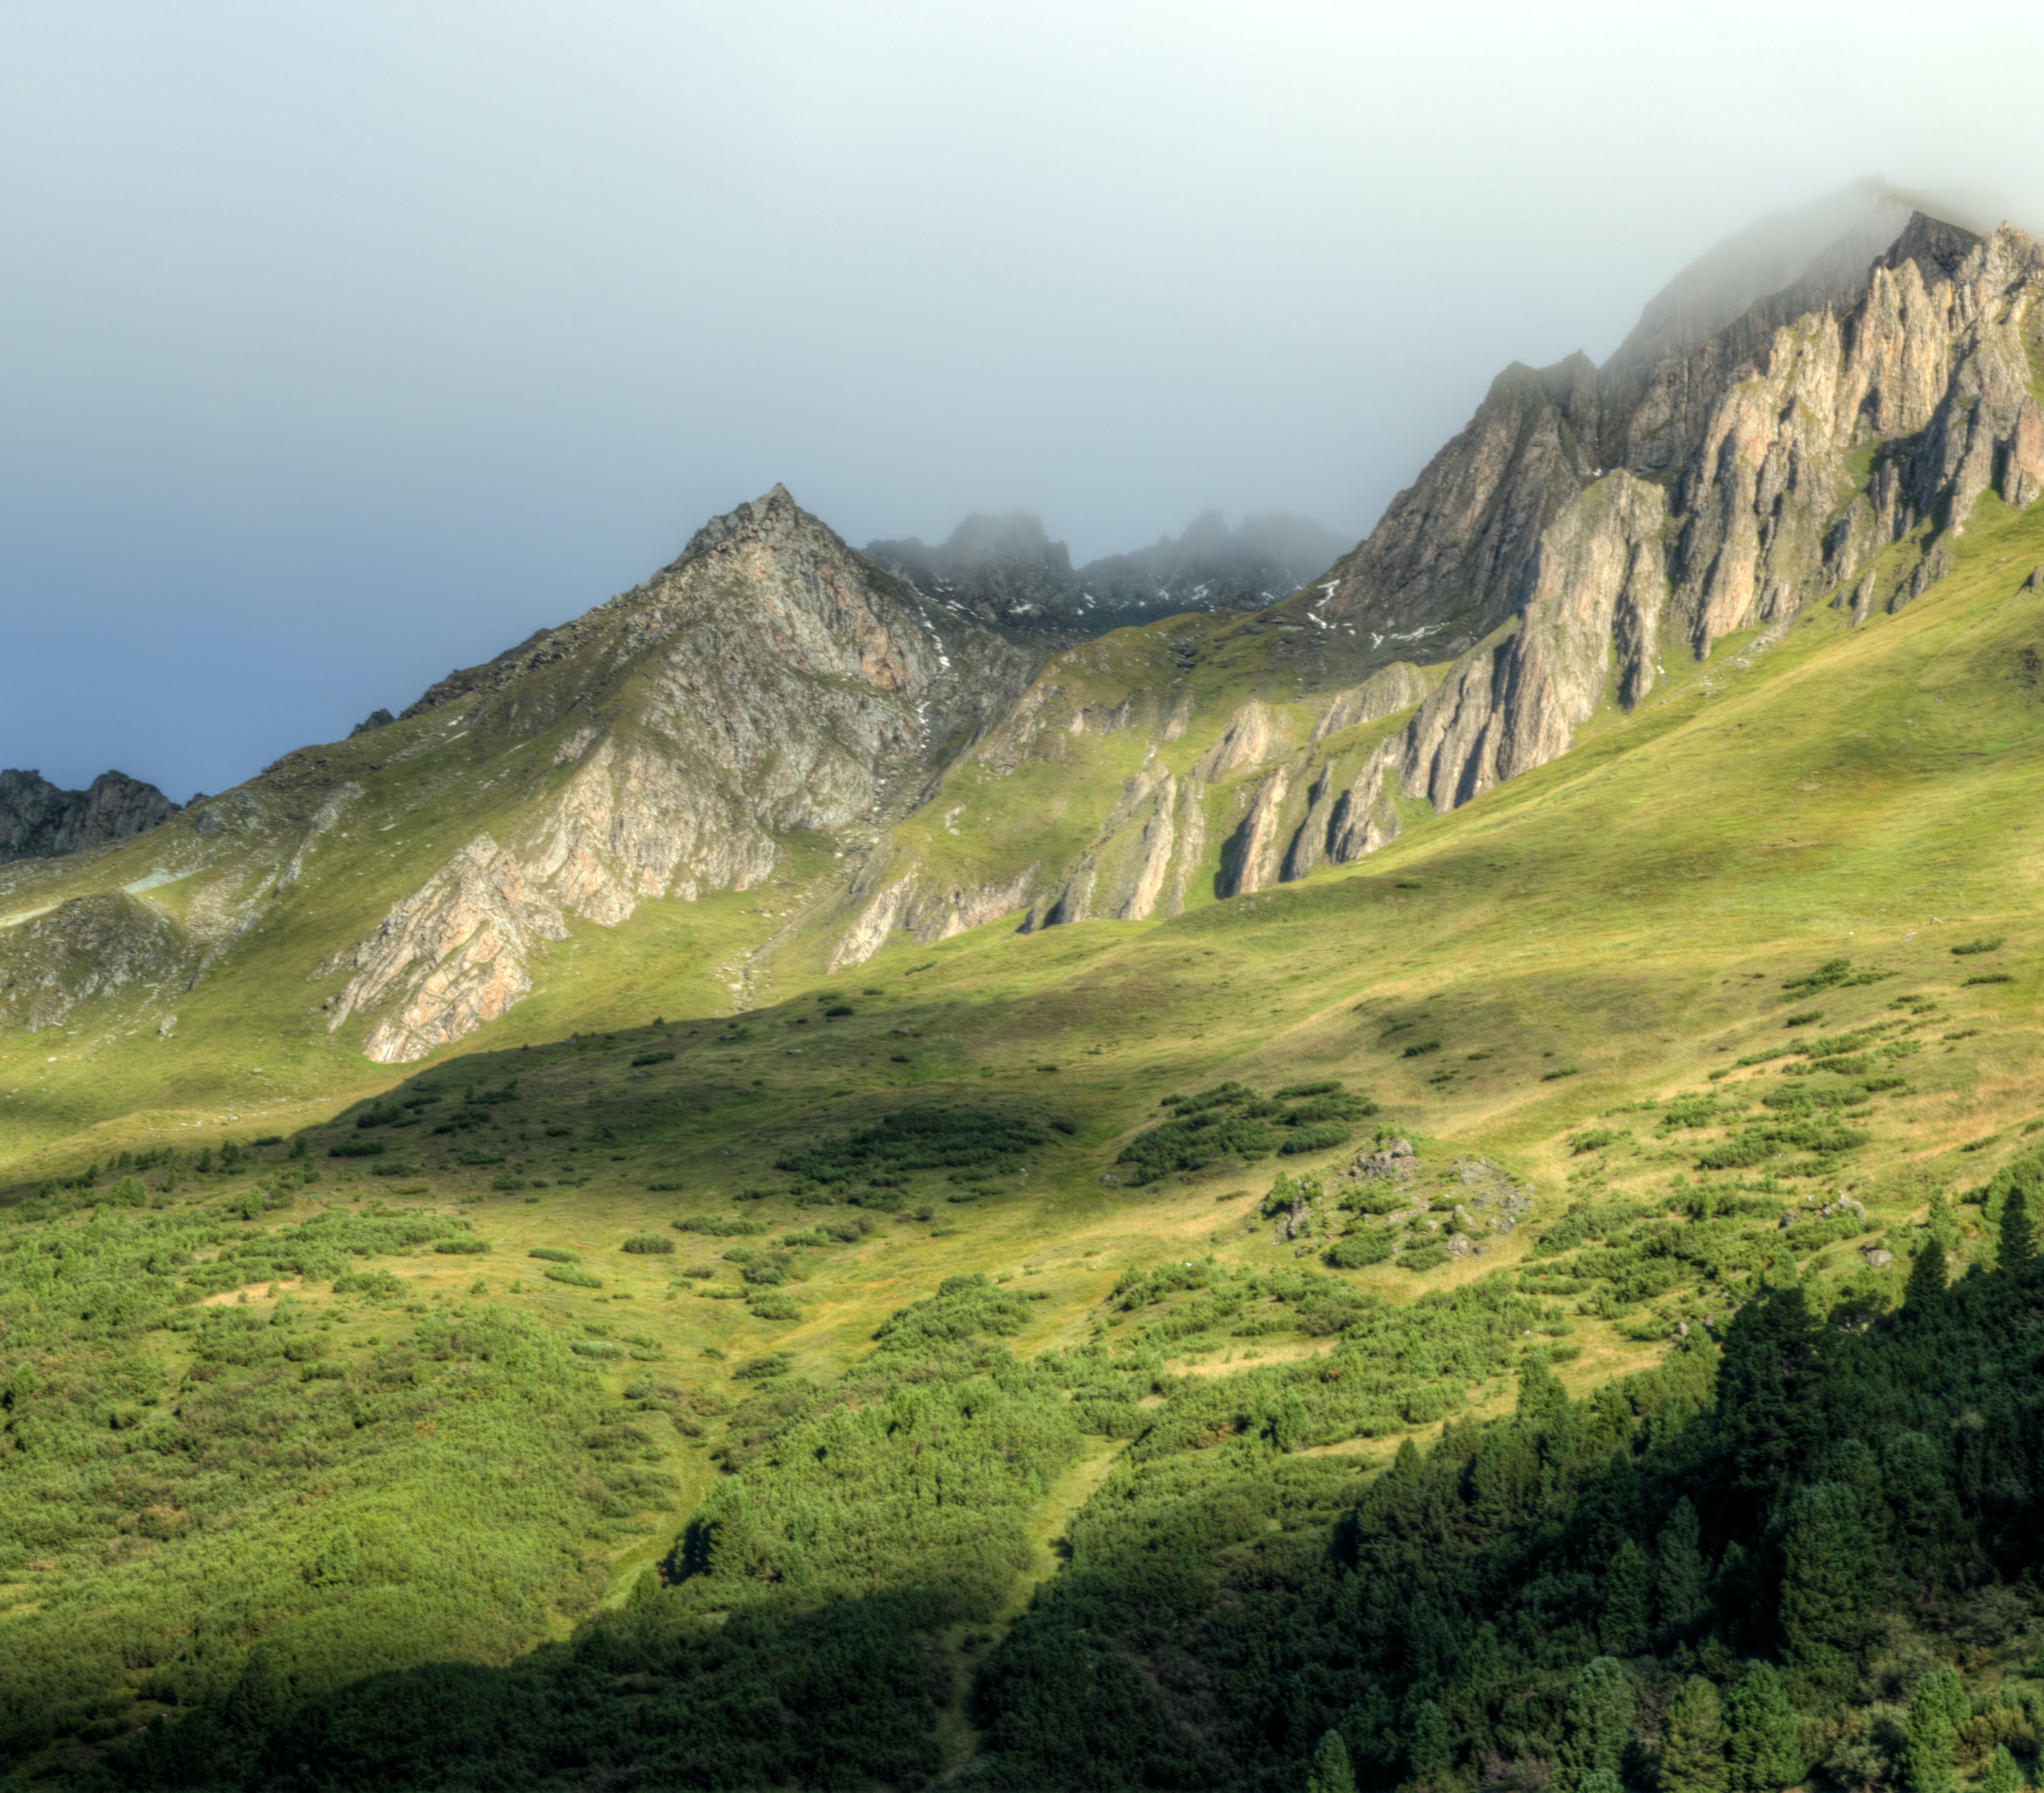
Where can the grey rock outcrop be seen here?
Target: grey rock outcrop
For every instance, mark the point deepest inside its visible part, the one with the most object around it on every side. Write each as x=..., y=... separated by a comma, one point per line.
x=455, y=953
x=770, y=680
x=1593, y=589
x=39, y=821
x=1745, y=453
x=87, y=948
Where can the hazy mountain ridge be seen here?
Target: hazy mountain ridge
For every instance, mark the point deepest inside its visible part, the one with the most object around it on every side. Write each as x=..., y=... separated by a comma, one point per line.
x=1735, y=499
x=1007, y=574
x=935, y=755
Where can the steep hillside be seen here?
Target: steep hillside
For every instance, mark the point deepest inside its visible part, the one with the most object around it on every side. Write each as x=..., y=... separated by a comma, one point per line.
x=1743, y=987
x=771, y=1188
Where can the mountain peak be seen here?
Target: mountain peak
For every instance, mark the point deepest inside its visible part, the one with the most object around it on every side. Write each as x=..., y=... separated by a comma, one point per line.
x=773, y=517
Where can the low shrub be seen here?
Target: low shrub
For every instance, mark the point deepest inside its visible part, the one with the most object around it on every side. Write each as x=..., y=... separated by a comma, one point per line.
x=1358, y=1250
x=649, y=1244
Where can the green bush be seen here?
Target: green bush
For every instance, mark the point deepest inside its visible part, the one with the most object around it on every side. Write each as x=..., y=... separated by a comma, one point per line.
x=1316, y=1139
x=640, y=1058
x=555, y=1254
x=650, y=1244
x=771, y=1304
x=1358, y=1250
x=573, y=1276
x=358, y=1149
x=465, y=1246
x=916, y=1139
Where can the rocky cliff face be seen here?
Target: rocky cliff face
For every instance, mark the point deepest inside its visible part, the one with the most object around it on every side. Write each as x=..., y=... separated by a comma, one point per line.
x=39, y=821
x=770, y=680
x=1007, y=575
x=1819, y=446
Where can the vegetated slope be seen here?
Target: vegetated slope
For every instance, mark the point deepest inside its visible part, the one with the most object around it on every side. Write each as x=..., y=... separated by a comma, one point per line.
x=1740, y=992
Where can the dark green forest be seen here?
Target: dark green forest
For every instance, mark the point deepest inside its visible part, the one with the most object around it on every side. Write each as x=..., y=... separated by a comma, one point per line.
x=1805, y=1552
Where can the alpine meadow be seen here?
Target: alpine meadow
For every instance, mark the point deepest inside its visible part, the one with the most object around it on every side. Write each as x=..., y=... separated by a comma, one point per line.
x=1266, y=1165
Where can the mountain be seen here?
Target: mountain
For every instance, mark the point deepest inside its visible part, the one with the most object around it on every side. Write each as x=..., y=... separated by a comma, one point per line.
x=39, y=821
x=1006, y=573
x=777, y=1187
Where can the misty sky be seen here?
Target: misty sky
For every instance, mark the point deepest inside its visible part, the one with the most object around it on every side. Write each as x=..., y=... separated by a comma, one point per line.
x=349, y=342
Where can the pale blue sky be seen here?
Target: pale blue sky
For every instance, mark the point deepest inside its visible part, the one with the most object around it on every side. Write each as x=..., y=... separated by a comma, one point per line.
x=349, y=342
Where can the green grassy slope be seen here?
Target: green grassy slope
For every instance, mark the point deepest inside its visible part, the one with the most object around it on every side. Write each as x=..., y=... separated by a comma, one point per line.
x=1596, y=960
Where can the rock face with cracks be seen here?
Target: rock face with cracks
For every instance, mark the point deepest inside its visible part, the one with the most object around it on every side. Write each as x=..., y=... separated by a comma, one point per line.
x=39, y=821
x=771, y=680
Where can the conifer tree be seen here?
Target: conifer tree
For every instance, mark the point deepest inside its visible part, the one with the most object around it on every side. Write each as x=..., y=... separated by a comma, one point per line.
x=2019, y=1243
x=1925, y=1294
x=1928, y=1525
x=1542, y=1398
x=1763, y=1412
x=1682, y=1568
x=1599, y=1721
x=1331, y=1771
x=1930, y=1733
x=1430, y=1753
x=1692, y=1742
x=1828, y=1574
x=1766, y=1755
x=2002, y=1775
x=1624, y=1626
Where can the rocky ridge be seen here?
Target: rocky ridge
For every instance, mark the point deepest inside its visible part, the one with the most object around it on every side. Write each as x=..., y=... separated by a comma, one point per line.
x=770, y=681
x=774, y=699
x=1007, y=575
x=1588, y=521
x=40, y=821
x=1823, y=444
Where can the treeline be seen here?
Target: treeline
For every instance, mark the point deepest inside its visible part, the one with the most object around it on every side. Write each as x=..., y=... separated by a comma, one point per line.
x=1809, y=1558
